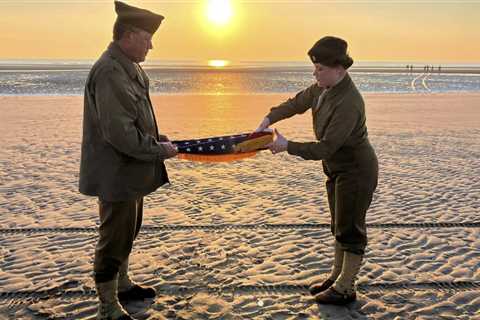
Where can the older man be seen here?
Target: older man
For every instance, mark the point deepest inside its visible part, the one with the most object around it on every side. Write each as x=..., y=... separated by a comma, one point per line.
x=122, y=153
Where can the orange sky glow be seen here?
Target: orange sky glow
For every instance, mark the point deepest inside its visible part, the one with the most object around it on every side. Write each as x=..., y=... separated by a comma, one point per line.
x=279, y=30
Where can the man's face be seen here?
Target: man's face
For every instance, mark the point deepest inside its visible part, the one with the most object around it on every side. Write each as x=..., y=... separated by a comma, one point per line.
x=326, y=76
x=139, y=44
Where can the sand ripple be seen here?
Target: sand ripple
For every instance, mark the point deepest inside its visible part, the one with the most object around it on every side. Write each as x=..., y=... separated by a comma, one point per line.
x=219, y=261
x=428, y=148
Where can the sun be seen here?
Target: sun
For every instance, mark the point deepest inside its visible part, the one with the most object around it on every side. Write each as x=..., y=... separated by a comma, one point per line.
x=219, y=12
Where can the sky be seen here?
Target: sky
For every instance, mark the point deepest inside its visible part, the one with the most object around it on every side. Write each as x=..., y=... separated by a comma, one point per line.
x=263, y=30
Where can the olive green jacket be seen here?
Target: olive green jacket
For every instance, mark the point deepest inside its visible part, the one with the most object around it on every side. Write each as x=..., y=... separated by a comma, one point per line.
x=338, y=123
x=121, y=157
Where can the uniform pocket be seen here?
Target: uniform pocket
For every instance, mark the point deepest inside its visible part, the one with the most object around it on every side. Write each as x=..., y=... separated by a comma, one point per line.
x=144, y=120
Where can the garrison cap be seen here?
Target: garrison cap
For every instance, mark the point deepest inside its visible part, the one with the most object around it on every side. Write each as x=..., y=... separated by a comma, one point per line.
x=331, y=51
x=137, y=17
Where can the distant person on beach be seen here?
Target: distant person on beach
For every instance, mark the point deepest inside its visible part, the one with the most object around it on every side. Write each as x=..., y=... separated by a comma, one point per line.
x=349, y=161
x=122, y=154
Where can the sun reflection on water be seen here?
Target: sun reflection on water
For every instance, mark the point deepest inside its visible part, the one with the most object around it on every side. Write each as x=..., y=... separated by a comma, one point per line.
x=218, y=63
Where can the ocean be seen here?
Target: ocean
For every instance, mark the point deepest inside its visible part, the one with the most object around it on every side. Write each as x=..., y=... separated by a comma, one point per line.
x=68, y=78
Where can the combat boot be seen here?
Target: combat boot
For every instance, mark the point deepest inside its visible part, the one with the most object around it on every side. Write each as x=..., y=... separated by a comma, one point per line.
x=343, y=290
x=129, y=290
x=316, y=288
x=109, y=308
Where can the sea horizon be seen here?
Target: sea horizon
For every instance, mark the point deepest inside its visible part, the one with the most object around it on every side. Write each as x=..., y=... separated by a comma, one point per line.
x=10, y=64
x=67, y=77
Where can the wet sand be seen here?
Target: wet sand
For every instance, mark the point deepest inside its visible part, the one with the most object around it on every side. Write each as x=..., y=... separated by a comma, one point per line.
x=241, y=240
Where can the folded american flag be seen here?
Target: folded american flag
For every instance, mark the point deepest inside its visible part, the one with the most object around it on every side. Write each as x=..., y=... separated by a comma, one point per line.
x=223, y=148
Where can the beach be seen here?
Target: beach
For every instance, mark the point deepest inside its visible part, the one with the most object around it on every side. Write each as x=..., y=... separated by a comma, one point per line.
x=240, y=240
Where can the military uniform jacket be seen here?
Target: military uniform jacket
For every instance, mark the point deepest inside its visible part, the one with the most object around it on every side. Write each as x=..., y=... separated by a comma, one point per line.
x=121, y=156
x=340, y=127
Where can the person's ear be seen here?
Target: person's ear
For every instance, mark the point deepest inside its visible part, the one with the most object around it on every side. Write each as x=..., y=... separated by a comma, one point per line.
x=129, y=36
x=339, y=70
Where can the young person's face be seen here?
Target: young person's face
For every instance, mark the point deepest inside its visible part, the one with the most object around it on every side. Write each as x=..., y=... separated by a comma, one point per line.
x=326, y=76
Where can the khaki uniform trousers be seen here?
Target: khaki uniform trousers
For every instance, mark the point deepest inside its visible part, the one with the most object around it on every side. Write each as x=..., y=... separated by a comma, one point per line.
x=120, y=224
x=349, y=197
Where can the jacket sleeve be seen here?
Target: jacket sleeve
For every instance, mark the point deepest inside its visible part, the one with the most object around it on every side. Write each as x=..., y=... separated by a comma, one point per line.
x=117, y=113
x=341, y=125
x=296, y=105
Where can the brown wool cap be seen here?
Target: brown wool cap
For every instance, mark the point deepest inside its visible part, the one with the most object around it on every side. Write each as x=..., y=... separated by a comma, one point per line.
x=137, y=17
x=331, y=51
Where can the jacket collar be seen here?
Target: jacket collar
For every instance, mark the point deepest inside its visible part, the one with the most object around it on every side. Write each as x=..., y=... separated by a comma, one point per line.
x=340, y=87
x=130, y=67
